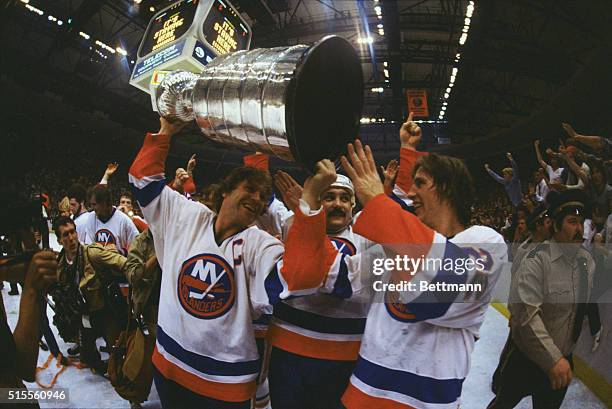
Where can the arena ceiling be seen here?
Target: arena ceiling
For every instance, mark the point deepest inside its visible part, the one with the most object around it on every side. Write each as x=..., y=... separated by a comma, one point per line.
x=518, y=56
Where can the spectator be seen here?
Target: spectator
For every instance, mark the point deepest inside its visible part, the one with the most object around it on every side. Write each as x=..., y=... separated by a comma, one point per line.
x=510, y=180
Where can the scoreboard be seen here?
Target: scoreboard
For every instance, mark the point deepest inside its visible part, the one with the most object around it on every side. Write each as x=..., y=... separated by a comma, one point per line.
x=224, y=30
x=187, y=35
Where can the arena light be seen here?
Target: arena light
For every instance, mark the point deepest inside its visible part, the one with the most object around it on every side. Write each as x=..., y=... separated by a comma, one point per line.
x=463, y=38
x=105, y=47
x=60, y=22
x=380, y=26
x=378, y=10
x=34, y=10
x=25, y=1
x=446, y=95
x=121, y=51
x=470, y=11
x=458, y=55
x=455, y=71
x=151, y=9
x=365, y=40
x=137, y=1
x=378, y=90
x=84, y=35
x=467, y=21
x=448, y=89
x=52, y=18
x=381, y=32
x=386, y=64
x=386, y=72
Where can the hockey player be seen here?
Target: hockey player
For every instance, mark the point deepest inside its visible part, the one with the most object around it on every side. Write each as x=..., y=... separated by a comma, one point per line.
x=106, y=225
x=218, y=275
x=416, y=347
x=315, y=339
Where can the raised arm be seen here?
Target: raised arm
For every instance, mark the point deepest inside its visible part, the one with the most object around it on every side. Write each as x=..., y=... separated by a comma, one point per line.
x=410, y=136
x=583, y=178
x=494, y=175
x=592, y=141
x=111, y=168
x=536, y=146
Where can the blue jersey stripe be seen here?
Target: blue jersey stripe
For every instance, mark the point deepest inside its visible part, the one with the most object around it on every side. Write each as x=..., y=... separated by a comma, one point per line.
x=148, y=193
x=319, y=323
x=432, y=304
x=423, y=388
x=342, y=286
x=205, y=364
x=274, y=286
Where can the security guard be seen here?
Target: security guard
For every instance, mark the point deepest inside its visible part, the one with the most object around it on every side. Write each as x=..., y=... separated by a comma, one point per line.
x=553, y=285
x=540, y=224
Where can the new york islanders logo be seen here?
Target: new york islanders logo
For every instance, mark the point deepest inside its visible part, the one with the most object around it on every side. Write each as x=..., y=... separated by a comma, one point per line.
x=206, y=286
x=343, y=246
x=105, y=237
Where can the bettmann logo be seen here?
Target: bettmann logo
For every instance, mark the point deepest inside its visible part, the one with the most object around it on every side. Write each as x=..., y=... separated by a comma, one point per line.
x=206, y=286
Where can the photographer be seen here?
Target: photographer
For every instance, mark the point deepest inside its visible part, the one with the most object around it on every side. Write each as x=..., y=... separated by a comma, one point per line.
x=86, y=275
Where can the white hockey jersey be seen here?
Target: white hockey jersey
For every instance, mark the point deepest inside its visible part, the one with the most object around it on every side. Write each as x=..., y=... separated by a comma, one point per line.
x=81, y=226
x=119, y=230
x=329, y=324
x=210, y=293
x=415, y=351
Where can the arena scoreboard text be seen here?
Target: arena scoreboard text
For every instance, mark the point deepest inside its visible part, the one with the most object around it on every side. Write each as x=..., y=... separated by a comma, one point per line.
x=187, y=35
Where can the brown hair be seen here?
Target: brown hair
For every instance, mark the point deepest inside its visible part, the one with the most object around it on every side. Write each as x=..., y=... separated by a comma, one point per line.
x=452, y=180
x=259, y=179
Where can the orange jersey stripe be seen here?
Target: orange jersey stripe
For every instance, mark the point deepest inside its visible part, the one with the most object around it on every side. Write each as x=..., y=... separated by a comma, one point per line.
x=408, y=159
x=311, y=347
x=228, y=392
x=354, y=398
x=309, y=254
x=151, y=158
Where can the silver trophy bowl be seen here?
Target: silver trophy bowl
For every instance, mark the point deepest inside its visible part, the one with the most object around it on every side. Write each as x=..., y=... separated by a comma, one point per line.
x=300, y=103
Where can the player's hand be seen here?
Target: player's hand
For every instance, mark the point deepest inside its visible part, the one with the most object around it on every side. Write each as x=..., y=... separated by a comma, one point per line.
x=390, y=172
x=361, y=168
x=42, y=271
x=170, y=128
x=486, y=166
x=180, y=177
x=191, y=164
x=537, y=143
x=410, y=133
x=315, y=185
x=561, y=374
x=289, y=189
x=509, y=156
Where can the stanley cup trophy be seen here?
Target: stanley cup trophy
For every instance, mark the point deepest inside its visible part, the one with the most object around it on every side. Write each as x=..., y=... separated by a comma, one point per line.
x=300, y=103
